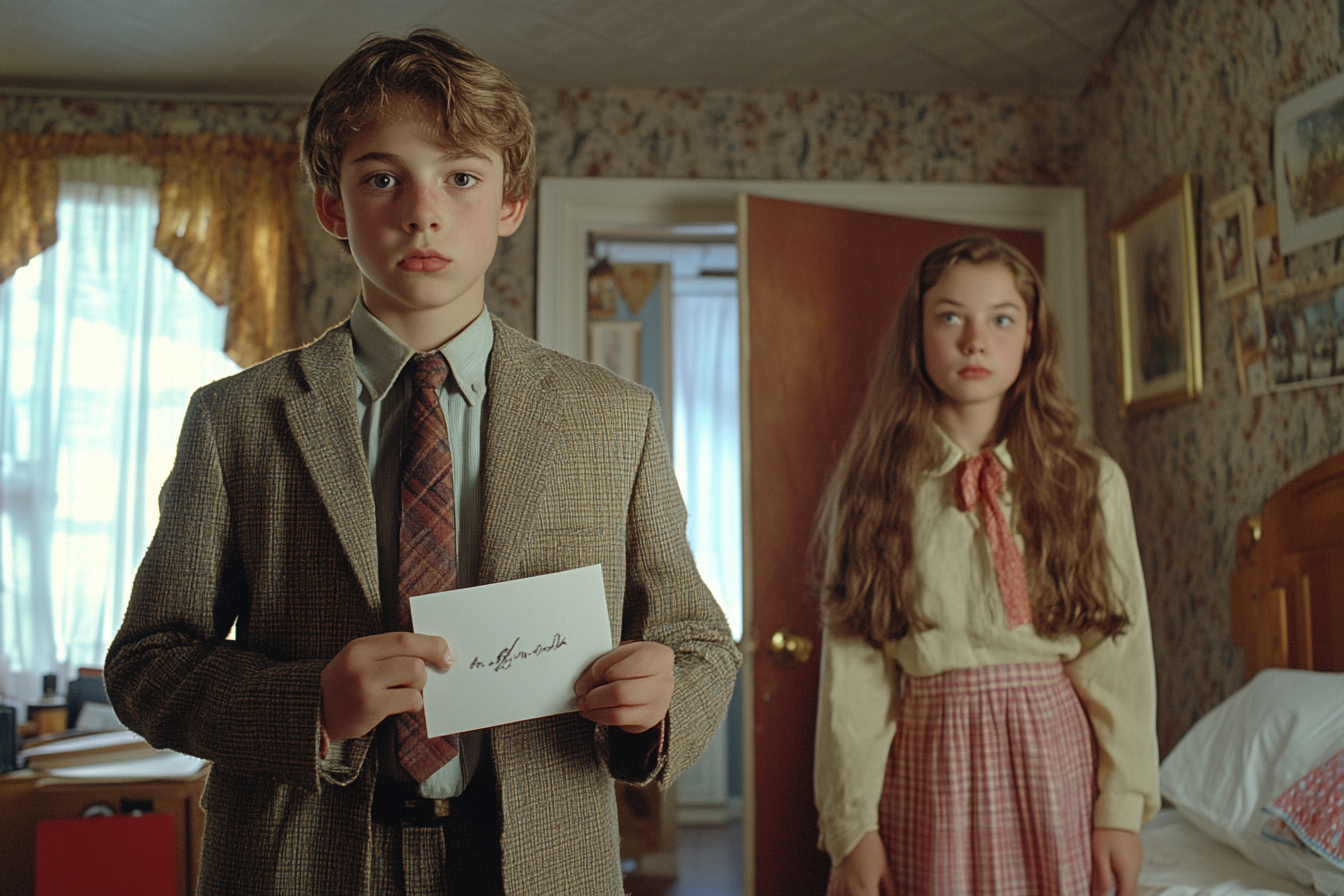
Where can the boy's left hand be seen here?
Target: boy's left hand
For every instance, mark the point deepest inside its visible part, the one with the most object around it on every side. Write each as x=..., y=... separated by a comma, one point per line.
x=629, y=687
x=1116, y=858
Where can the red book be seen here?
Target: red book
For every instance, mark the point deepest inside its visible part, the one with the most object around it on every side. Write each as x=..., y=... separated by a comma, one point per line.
x=115, y=855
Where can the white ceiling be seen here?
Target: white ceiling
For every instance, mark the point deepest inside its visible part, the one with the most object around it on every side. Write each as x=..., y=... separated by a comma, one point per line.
x=282, y=49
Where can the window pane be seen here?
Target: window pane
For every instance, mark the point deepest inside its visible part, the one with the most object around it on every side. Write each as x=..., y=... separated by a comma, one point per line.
x=102, y=342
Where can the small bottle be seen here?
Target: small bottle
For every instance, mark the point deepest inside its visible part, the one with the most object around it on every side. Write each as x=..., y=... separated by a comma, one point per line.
x=49, y=712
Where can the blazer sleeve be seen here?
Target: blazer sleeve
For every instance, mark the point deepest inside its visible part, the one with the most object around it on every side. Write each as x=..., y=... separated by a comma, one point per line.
x=666, y=601
x=174, y=673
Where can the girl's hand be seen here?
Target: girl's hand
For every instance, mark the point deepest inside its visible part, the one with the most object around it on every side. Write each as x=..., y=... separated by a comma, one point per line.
x=864, y=871
x=1116, y=858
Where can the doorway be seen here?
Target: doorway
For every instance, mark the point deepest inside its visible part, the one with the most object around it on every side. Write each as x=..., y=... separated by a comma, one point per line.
x=672, y=294
x=570, y=209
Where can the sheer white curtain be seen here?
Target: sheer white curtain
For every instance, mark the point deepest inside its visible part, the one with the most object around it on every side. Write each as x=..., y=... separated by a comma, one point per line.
x=102, y=342
x=706, y=433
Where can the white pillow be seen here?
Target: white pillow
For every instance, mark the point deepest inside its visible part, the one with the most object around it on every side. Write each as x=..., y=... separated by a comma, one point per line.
x=1248, y=750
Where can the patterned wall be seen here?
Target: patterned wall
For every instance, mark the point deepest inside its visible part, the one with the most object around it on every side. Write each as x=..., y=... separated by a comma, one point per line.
x=801, y=135
x=1189, y=85
x=652, y=133
x=1192, y=85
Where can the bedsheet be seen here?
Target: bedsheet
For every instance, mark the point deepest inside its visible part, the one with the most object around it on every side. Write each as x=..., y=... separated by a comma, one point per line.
x=1179, y=860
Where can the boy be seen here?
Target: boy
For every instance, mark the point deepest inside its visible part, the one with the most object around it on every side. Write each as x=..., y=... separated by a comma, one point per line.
x=310, y=497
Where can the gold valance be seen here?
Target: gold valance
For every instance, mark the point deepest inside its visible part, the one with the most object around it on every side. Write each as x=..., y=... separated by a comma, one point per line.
x=227, y=219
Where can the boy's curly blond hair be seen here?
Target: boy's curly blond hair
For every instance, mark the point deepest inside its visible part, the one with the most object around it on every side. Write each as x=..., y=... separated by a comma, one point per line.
x=472, y=105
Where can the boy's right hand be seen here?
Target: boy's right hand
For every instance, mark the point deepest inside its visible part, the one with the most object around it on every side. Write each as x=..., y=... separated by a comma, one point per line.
x=376, y=677
x=864, y=871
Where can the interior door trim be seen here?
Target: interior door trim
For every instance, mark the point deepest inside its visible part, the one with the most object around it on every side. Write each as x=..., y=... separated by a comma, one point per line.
x=569, y=208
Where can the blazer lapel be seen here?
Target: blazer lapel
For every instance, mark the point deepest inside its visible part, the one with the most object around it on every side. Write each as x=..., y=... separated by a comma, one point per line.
x=523, y=444
x=324, y=422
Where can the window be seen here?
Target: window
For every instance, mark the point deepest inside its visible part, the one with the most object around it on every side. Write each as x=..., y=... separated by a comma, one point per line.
x=706, y=428
x=102, y=342
x=702, y=390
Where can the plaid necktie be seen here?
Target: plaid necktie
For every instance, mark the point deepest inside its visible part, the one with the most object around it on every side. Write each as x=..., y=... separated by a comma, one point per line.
x=979, y=480
x=428, y=541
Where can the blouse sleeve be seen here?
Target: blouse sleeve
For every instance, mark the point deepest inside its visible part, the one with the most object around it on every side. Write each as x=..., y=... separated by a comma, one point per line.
x=856, y=723
x=1114, y=678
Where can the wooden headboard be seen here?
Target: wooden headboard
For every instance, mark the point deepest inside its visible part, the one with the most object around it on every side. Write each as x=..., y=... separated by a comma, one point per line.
x=1288, y=587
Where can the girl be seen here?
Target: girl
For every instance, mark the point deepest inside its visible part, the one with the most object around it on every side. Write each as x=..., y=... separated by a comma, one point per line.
x=981, y=561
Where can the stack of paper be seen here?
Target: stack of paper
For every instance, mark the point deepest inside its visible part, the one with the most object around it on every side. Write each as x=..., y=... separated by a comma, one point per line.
x=107, y=754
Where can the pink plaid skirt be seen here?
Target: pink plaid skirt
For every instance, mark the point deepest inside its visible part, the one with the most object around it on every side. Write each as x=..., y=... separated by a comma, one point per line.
x=990, y=784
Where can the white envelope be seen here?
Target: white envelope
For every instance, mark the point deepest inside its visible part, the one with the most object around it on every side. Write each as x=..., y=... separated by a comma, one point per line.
x=519, y=647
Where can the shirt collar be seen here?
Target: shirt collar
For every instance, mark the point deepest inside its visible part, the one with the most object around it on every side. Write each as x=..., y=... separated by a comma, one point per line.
x=953, y=454
x=380, y=354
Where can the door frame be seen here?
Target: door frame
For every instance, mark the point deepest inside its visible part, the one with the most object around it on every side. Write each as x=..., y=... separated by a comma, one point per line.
x=568, y=209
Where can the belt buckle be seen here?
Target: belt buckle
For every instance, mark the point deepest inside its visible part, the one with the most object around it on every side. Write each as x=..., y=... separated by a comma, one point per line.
x=422, y=810
x=406, y=810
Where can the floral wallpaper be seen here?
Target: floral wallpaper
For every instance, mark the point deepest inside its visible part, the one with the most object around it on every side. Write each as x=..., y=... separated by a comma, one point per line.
x=849, y=135
x=801, y=135
x=1192, y=85
x=1188, y=85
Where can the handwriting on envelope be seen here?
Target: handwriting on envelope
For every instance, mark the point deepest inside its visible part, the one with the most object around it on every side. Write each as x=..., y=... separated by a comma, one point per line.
x=520, y=646
x=505, y=659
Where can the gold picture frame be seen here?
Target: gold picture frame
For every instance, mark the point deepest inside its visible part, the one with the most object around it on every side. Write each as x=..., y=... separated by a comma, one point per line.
x=1155, y=262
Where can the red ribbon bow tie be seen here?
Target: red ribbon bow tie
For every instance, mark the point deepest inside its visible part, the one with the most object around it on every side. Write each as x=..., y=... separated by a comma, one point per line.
x=979, y=481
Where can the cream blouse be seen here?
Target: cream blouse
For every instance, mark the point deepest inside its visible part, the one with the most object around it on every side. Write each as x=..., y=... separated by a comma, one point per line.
x=856, y=714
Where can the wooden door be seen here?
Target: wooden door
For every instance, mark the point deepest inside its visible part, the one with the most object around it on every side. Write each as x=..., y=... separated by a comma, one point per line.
x=819, y=288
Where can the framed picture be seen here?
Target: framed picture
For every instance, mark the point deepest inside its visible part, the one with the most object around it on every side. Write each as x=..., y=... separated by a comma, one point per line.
x=1268, y=256
x=614, y=344
x=602, y=289
x=1302, y=334
x=1233, y=229
x=1308, y=179
x=1251, y=342
x=1156, y=268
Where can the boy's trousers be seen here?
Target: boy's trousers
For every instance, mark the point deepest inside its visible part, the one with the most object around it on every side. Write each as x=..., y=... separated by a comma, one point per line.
x=459, y=856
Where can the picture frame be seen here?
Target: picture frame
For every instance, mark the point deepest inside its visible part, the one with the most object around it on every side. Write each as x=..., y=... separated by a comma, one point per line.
x=1155, y=263
x=1232, y=228
x=1303, y=333
x=614, y=344
x=603, y=292
x=1251, y=343
x=1268, y=255
x=1308, y=183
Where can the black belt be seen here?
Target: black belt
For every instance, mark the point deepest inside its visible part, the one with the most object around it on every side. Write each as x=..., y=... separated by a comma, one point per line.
x=400, y=803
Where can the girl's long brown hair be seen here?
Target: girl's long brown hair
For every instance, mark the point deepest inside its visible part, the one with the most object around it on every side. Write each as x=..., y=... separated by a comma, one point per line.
x=866, y=525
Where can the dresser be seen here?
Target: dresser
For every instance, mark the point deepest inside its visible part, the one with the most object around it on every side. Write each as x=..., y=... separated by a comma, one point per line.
x=27, y=797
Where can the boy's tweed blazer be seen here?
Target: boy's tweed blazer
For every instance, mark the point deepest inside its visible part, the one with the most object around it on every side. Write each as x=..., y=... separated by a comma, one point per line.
x=268, y=525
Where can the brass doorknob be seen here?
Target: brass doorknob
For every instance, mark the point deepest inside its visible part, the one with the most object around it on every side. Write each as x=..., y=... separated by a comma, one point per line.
x=790, y=648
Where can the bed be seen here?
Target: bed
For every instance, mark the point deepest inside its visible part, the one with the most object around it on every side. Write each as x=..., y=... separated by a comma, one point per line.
x=1254, y=793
